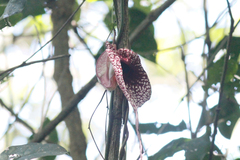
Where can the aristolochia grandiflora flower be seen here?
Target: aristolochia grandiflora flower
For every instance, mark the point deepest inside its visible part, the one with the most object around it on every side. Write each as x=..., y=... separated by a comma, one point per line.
x=123, y=67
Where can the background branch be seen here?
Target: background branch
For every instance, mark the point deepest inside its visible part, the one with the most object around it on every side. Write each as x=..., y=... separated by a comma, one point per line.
x=16, y=117
x=188, y=91
x=62, y=15
x=8, y=71
x=152, y=16
x=53, y=37
x=225, y=67
x=207, y=60
x=83, y=41
x=59, y=30
x=38, y=137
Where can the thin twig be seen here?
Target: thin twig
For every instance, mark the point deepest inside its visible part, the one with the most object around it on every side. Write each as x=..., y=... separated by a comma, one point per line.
x=60, y=29
x=16, y=116
x=205, y=62
x=207, y=40
x=180, y=45
x=183, y=44
x=186, y=77
x=237, y=24
x=49, y=102
x=44, y=79
x=7, y=130
x=152, y=16
x=83, y=41
x=221, y=15
x=65, y=111
x=188, y=94
x=138, y=134
x=222, y=80
x=210, y=60
x=30, y=63
x=106, y=119
x=89, y=124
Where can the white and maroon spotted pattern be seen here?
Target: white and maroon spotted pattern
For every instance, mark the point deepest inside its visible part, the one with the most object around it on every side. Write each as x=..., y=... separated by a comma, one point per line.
x=128, y=73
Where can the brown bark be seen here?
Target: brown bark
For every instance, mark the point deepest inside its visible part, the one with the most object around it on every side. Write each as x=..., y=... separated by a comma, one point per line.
x=115, y=115
x=60, y=13
x=114, y=126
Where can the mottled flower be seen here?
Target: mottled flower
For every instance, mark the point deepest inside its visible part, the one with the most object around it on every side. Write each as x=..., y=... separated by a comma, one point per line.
x=123, y=67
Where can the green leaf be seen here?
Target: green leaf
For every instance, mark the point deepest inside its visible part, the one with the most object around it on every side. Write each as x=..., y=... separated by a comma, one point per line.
x=53, y=136
x=145, y=44
x=169, y=150
x=232, y=87
x=34, y=8
x=205, y=118
x=216, y=34
x=24, y=8
x=11, y=21
x=150, y=128
x=194, y=149
x=216, y=156
x=215, y=71
x=13, y=7
x=234, y=47
x=228, y=115
x=145, y=9
x=109, y=19
x=32, y=150
x=197, y=148
x=77, y=15
x=228, y=106
x=226, y=127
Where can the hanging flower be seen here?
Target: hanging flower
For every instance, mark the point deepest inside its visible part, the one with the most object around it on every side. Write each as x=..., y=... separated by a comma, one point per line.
x=123, y=67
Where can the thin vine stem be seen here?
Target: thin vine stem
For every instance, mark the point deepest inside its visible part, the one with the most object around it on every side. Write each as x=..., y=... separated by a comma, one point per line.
x=225, y=67
x=89, y=124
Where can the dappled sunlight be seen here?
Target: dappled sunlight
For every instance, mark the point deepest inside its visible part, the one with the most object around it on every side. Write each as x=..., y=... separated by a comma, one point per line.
x=183, y=64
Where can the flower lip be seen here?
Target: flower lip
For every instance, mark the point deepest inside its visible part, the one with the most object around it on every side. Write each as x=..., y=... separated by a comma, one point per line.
x=131, y=77
x=128, y=74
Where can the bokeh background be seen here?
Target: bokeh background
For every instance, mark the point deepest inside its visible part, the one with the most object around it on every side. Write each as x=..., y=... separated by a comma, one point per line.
x=31, y=92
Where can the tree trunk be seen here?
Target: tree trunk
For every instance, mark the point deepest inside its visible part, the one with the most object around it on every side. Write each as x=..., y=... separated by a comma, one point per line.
x=60, y=13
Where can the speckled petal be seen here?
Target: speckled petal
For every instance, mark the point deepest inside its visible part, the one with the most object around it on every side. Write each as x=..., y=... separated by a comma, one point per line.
x=130, y=76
